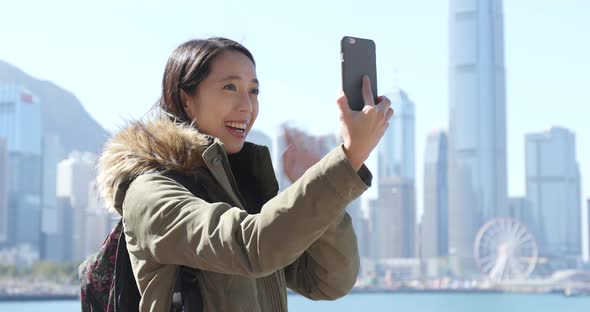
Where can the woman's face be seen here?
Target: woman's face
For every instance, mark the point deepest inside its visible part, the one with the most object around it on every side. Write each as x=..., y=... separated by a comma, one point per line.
x=225, y=104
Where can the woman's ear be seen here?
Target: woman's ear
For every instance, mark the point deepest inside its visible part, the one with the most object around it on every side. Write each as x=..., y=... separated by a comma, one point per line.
x=187, y=102
x=184, y=99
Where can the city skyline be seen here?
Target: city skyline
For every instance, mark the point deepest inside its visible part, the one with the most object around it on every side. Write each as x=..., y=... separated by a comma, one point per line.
x=421, y=139
x=388, y=240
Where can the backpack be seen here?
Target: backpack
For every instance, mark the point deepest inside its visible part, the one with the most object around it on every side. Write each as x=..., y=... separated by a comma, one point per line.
x=107, y=282
x=106, y=278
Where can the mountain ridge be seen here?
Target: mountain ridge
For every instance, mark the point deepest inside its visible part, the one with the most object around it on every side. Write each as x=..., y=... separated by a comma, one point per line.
x=81, y=131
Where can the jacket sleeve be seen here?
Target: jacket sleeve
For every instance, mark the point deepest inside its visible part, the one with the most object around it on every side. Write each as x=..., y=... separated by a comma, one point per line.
x=329, y=268
x=164, y=221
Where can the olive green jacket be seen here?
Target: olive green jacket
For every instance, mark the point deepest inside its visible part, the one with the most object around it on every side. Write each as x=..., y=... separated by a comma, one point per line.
x=302, y=238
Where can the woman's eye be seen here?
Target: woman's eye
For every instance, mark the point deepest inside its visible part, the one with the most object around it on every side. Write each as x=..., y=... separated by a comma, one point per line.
x=230, y=87
x=255, y=91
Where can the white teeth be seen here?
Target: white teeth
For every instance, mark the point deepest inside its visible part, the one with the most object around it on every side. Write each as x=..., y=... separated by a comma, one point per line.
x=236, y=125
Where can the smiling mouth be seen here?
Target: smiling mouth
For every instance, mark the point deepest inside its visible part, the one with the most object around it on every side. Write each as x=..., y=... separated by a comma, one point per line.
x=237, y=126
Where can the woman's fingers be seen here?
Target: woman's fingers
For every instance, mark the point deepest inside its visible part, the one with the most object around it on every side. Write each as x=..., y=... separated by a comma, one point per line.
x=389, y=113
x=343, y=107
x=367, y=92
x=384, y=105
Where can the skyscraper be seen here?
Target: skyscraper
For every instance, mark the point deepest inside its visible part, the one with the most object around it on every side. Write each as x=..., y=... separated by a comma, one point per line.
x=553, y=191
x=394, y=216
x=357, y=216
x=74, y=176
x=65, y=215
x=3, y=192
x=365, y=239
x=20, y=119
x=435, y=219
x=477, y=136
x=52, y=225
x=373, y=234
x=355, y=211
x=20, y=124
x=519, y=209
x=395, y=219
x=396, y=150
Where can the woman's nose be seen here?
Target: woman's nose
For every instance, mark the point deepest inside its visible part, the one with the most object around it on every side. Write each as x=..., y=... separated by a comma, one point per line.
x=245, y=103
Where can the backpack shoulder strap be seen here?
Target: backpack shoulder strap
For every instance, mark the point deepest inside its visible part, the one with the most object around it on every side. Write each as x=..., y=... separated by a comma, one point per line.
x=125, y=296
x=187, y=295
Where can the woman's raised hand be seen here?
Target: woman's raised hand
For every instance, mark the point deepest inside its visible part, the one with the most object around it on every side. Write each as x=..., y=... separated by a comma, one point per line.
x=362, y=130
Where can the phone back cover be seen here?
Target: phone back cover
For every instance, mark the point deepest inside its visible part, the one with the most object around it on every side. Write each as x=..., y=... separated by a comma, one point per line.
x=358, y=59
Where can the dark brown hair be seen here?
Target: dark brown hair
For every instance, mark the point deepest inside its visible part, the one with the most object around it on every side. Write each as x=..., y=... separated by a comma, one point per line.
x=187, y=67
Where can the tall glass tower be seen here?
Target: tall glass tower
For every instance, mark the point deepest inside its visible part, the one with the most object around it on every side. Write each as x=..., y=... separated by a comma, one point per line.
x=396, y=151
x=477, y=136
x=20, y=125
x=553, y=189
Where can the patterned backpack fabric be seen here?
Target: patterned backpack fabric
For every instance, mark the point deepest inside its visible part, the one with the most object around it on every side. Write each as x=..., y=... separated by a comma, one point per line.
x=107, y=282
x=102, y=276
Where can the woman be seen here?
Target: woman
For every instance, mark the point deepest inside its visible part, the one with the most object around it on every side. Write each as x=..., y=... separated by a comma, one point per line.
x=248, y=242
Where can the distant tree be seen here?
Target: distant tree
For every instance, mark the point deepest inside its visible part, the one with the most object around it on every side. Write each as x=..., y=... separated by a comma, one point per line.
x=7, y=270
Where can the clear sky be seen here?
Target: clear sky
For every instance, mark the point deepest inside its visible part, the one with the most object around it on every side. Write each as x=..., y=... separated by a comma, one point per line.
x=111, y=55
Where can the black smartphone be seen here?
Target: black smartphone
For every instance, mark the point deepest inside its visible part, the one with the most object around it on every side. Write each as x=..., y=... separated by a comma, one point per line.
x=357, y=56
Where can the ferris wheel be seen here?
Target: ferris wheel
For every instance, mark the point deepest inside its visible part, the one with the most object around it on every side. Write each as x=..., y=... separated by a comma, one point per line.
x=505, y=250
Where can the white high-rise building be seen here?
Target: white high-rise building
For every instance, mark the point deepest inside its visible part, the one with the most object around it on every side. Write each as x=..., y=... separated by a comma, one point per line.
x=74, y=177
x=477, y=136
x=98, y=221
x=395, y=219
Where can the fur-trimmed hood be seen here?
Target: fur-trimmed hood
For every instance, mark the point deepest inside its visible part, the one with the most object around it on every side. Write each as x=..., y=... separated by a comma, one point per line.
x=146, y=146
